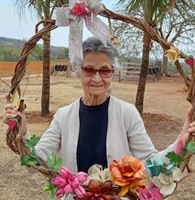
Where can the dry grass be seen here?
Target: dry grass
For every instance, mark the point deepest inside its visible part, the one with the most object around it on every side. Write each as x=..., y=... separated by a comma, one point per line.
x=164, y=112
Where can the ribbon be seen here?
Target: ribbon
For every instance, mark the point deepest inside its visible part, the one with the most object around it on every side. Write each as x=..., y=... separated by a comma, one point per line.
x=73, y=16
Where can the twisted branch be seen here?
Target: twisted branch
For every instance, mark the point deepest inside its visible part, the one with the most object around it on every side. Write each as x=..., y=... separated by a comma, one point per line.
x=15, y=138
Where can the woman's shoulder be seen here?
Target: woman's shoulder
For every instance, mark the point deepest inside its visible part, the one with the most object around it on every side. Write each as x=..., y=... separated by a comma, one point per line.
x=120, y=102
x=71, y=107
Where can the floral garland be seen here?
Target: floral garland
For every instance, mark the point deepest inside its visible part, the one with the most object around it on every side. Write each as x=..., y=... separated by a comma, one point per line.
x=123, y=178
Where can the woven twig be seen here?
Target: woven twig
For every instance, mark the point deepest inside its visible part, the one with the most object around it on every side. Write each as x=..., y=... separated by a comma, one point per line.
x=145, y=27
x=15, y=138
x=191, y=99
x=28, y=47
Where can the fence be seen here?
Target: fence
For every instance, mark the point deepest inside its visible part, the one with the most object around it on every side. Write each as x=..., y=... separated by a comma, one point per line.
x=7, y=68
x=132, y=69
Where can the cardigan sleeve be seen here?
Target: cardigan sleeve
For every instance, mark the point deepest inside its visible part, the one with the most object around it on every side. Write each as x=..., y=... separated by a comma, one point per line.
x=51, y=139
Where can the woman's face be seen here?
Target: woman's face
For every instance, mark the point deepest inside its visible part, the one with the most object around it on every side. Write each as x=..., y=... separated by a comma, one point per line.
x=96, y=85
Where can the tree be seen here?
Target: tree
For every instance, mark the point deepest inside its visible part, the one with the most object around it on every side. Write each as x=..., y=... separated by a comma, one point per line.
x=37, y=53
x=44, y=10
x=9, y=54
x=153, y=12
x=178, y=28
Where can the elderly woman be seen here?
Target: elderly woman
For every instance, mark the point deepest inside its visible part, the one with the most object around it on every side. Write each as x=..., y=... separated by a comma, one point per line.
x=97, y=128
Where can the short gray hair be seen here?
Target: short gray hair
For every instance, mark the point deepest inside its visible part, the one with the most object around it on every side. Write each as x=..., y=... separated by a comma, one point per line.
x=93, y=44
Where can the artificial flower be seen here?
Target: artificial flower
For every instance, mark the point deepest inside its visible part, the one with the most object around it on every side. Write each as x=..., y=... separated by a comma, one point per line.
x=15, y=100
x=179, y=147
x=96, y=173
x=128, y=173
x=68, y=183
x=190, y=61
x=158, y=166
x=115, y=40
x=167, y=183
x=173, y=54
x=12, y=123
x=150, y=193
x=79, y=9
x=94, y=191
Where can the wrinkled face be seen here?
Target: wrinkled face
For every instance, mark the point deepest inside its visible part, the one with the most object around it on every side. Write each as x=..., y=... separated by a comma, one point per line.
x=93, y=83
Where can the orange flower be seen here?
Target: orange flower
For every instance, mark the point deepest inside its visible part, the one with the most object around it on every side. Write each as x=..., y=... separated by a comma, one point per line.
x=128, y=173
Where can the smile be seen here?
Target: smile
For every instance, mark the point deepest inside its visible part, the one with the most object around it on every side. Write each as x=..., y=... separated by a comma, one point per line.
x=97, y=86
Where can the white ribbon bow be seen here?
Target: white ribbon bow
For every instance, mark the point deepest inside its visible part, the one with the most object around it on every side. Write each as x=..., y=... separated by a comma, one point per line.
x=74, y=15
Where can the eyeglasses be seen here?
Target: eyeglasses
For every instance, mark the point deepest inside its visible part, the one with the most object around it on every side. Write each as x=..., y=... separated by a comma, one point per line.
x=104, y=73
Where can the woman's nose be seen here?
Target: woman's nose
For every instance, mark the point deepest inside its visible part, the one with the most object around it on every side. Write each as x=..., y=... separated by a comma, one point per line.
x=97, y=77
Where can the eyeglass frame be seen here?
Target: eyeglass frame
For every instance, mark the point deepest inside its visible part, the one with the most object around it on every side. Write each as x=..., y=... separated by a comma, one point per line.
x=98, y=70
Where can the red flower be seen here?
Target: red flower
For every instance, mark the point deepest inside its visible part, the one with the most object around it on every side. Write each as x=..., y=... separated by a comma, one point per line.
x=189, y=60
x=96, y=192
x=12, y=123
x=79, y=9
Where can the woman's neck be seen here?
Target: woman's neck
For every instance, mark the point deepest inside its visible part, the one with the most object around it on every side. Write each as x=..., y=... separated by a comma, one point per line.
x=95, y=100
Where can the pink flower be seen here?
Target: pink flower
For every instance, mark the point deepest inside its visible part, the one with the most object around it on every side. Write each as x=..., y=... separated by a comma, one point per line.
x=190, y=61
x=12, y=123
x=150, y=193
x=68, y=183
x=79, y=9
x=179, y=147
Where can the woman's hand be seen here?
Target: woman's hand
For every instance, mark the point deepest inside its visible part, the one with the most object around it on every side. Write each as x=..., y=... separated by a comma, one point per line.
x=188, y=129
x=11, y=112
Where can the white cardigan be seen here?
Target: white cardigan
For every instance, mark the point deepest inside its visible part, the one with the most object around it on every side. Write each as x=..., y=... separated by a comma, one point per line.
x=126, y=135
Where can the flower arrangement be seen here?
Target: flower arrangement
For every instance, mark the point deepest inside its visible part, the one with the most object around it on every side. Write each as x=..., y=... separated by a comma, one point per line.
x=123, y=178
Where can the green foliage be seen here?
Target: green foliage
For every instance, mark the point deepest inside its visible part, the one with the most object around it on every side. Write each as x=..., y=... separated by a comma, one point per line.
x=11, y=49
x=54, y=162
x=9, y=54
x=32, y=158
x=174, y=158
x=30, y=143
x=29, y=160
x=50, y=188
x=190, y=147
x=37, y=53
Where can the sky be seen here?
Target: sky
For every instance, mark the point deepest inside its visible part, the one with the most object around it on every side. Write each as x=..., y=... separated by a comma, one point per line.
x=12, y=27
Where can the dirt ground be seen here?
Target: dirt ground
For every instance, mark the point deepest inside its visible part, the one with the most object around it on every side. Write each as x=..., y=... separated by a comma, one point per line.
x=165, y=107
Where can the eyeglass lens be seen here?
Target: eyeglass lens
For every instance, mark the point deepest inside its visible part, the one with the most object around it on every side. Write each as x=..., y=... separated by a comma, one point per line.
x=88, y=71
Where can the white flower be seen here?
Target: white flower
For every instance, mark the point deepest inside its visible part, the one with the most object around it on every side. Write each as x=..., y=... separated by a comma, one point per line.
x=167, y=183
x=173, y=54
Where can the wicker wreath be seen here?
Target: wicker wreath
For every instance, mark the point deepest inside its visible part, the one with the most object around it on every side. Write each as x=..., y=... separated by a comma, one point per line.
x=15, y=138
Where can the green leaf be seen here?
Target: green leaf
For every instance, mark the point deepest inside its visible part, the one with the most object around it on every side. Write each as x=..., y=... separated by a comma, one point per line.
x=30, y=143
x=52, y=194
x=50, y=188
x=174, y=158
x=54, y=162
x=190, y=147
x=29, y=160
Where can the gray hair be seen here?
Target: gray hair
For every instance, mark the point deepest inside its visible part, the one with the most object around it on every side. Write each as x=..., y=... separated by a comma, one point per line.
x=93, y=44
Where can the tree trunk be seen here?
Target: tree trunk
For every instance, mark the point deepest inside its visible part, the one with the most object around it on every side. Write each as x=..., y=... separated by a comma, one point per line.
x=165, y=66
x=143, y=74
x=68, y=71
x=45, y=100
